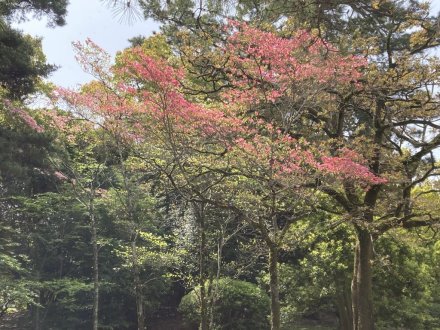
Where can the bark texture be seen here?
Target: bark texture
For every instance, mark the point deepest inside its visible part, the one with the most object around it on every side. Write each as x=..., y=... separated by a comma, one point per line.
x=275, y=309
x=362, y=297
x=95, y=272
x=138, y=288
x=344, y=307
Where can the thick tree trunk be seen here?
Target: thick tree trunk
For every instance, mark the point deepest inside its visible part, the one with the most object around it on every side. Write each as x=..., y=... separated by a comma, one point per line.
x=95, y=273
x=362, y=290
x=275, y=309
x=344, y=307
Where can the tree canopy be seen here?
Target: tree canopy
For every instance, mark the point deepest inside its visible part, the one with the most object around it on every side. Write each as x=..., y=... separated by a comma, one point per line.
x=272, y=162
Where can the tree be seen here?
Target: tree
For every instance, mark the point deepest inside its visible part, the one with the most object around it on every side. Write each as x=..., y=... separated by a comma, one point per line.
x=25, y=173
x=404, y=269
x=163, y=152
x=396, y=110
x=47, y=246
x=85, y=169
x=145, y=254
x=18, y=9
x=23, y=62
x=315, y=273
x=264, y=73
x=202, y=147
x=242, y=305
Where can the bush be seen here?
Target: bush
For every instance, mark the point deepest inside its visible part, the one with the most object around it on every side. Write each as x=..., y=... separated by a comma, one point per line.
x=239, y=305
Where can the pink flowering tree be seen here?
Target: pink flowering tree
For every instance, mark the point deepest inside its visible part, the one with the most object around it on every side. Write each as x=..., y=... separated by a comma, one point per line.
x=140, y=104
x=303, y=102
x=226, y=153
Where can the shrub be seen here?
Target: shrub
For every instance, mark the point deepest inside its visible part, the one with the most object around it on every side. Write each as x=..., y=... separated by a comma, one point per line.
x=239, y=305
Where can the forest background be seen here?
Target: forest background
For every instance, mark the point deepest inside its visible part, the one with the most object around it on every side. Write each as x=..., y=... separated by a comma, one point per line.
x=254, y=165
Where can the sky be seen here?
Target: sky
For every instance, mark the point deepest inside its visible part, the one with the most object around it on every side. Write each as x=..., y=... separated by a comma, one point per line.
x=85, y=19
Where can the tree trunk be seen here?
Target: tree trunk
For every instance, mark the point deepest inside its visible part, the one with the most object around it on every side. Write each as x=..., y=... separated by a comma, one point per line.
x=140, y=306
x=214, y=293
x=275, y=309
x=95, y=272
x=204, y=317
x=36, y=313
x=362, y=290
x=138, y=289
x=344, y=307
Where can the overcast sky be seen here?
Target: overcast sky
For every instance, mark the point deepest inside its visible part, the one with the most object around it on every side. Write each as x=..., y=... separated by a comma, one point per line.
x=85, y=19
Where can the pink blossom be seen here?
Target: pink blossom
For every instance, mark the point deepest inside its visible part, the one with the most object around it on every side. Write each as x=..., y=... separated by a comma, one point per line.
x=262, y=65
x=24, y=116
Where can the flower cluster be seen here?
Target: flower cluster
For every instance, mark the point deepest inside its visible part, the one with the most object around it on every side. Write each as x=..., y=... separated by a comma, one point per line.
x=264, y=66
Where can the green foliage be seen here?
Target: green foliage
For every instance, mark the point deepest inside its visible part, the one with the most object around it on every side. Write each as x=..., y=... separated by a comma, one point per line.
x=45, y=255
x=238, y=305
x=406, y=279
x=15, y=295
x=155, y=46
x=406, y=276
x=315, y=280
x=24, y=164
x=23, y=63
x=55, y=11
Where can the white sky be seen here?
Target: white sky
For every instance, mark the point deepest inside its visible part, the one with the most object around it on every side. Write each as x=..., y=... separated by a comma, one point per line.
x=85, y=19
